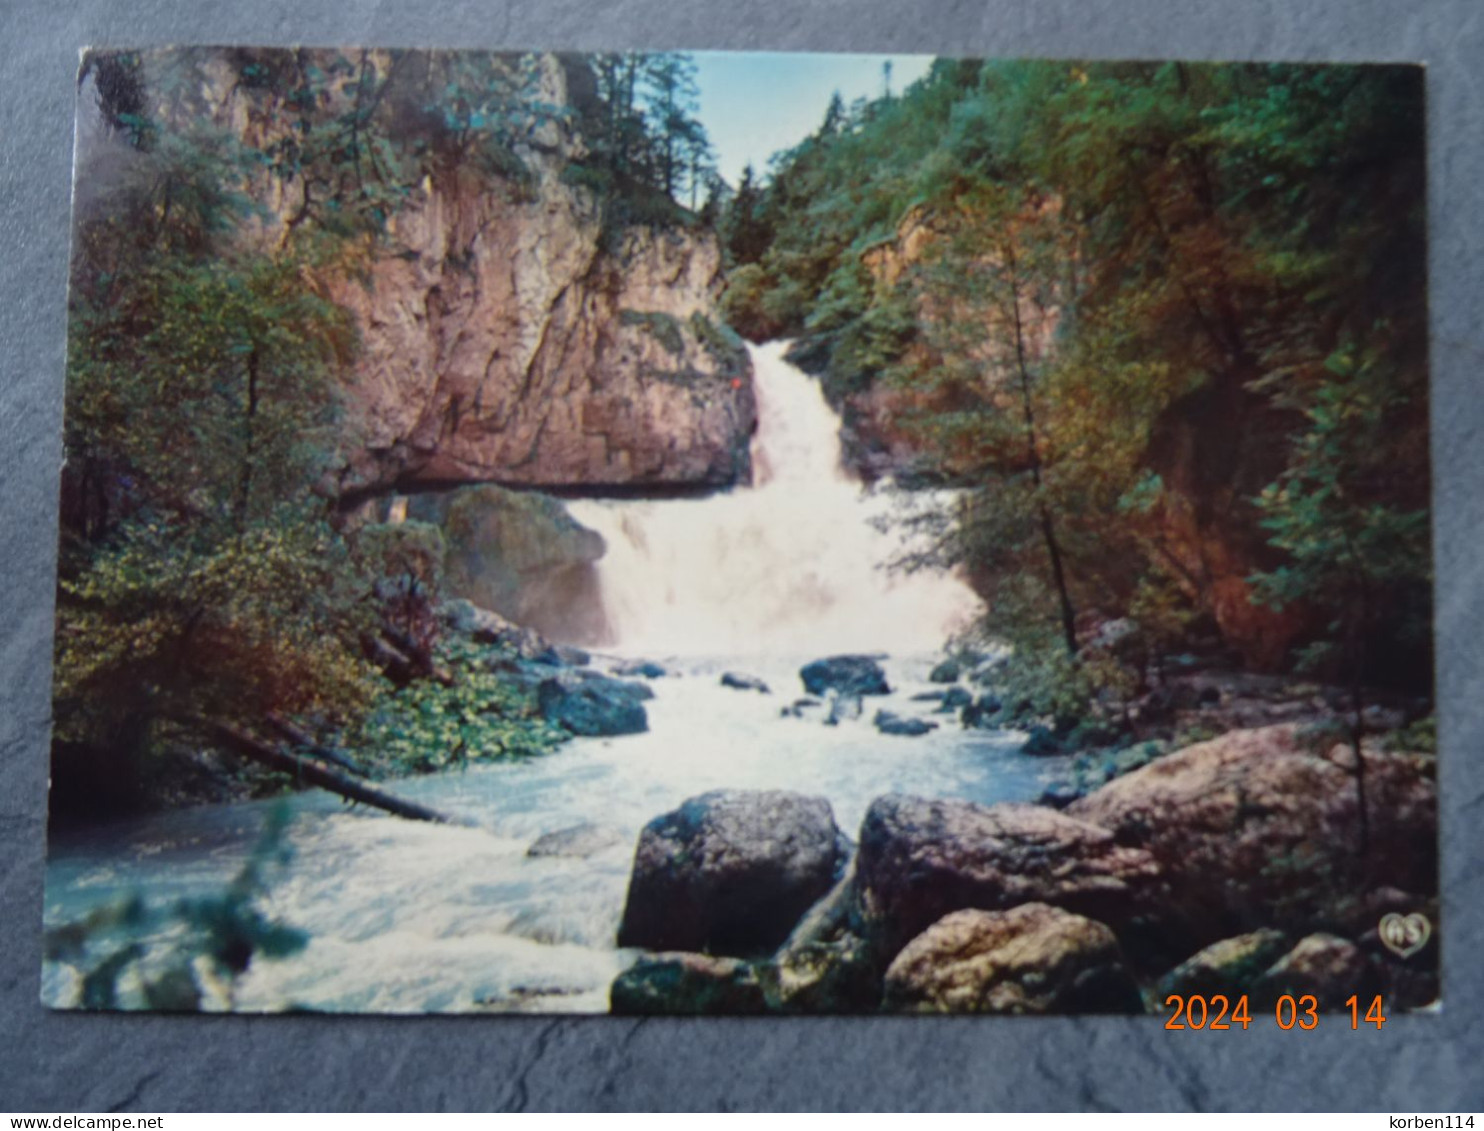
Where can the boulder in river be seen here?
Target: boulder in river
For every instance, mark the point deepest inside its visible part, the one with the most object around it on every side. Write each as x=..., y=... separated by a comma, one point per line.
x=888, y=723
x=946, y=672
x=848, y=675
x=1030, y=959
x=982, y=712
x=593, y=707
x=731, y=872
x=1324, y=965
x=681, y=983
x=739, y=682
x=843, y=708
x=921, y=859
x=1258, y=828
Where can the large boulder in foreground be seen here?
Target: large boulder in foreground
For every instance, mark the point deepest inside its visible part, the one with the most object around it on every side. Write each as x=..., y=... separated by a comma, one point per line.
x=687, y=984
x=847, y=675
x=731, y=872
x=1258, y=829
x=1030, y=959
x=920, y=860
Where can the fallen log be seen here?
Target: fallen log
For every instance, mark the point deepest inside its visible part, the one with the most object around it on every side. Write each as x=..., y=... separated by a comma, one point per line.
x=316, y=772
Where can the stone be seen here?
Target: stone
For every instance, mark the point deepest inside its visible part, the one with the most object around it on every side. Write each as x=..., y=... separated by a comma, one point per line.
x=946, y=672
x=848, y=675
x=520, y=554
x=888, y=723
x=828, y=965
x=644, y=669
x=1229, y=967
x=579, y=841
x=1030, y=959
x=731, y=872
x=739, y=682
x=1059, y=794
x=981, y=713
x=597, y=707
x=1040, y=742
x=1323, y=965
x=921, y=859
x=1258, y=829
x=687, y=984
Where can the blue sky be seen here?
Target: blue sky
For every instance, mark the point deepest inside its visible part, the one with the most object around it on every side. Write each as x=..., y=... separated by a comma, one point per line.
x=755, y=104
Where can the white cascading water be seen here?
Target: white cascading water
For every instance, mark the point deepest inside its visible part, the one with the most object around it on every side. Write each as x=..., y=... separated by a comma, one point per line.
x=793, y=565
x=412, y=917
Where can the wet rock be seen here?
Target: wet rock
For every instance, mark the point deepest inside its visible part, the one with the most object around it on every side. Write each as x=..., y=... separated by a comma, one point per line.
x=848, y=675
x=1041, y=743
x=1229, y=967
x=946, y=672
x=982, y=712
x=731, y=872
x=643, y=669
x=1324, y=965
x=564, y=656
x=593, y=707
x=1059, y=794
x=956, y=697
x=691, y=984
x=1030, y=959
x=843, y=708
x=888, y=723
x=796, y=709
x=739, y=682
x=578, y=841
x=922, y=859
x=930, y=697
x=828, y=964
x=1257, y=829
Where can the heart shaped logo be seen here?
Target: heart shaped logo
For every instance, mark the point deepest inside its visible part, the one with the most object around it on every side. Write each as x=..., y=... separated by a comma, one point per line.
x=1404, y=935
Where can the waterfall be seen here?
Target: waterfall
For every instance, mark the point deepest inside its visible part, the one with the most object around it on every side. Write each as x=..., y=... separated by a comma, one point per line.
x=795, y=564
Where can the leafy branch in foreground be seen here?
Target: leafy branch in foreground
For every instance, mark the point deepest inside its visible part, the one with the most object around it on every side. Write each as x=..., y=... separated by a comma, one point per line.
x=187, y=956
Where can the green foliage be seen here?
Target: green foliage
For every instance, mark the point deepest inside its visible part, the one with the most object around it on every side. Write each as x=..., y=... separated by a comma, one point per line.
x=659, y=325
x=1059, y=272
x=480, y=717
x=186, y=956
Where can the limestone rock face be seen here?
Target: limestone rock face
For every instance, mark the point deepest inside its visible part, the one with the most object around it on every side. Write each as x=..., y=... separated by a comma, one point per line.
x=731, y=872
x=508, y=332
x=1253, y=829
x=1030, y=959
x=920, y=860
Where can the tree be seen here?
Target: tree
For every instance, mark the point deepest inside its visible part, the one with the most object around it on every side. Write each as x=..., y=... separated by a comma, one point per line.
x=1352, y=553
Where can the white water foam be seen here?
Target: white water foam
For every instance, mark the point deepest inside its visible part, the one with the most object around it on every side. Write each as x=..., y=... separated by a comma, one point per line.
x=796, y=563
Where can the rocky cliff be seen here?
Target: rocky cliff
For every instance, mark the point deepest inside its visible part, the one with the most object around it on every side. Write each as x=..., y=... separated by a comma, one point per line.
x=509, y=332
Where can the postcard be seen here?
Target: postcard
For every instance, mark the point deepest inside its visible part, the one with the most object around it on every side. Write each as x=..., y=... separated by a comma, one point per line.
x=699, y=533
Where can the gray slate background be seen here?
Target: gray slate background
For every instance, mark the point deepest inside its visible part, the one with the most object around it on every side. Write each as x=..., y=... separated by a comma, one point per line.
x=61, y=1062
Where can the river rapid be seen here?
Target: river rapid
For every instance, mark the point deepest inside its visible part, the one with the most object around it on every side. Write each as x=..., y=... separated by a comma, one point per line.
x=412, y=917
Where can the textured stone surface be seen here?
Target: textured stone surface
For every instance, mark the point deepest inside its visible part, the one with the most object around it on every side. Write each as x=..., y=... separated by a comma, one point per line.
x=1030, y=959
x=1229, y=967
x=1254, y=829
x=921, y=859
x=687, y=983
x=1323, y=966
x=81, y=1062
x=730, y=872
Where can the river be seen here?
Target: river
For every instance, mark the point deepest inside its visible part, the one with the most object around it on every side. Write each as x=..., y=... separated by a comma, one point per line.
x=411, y=917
